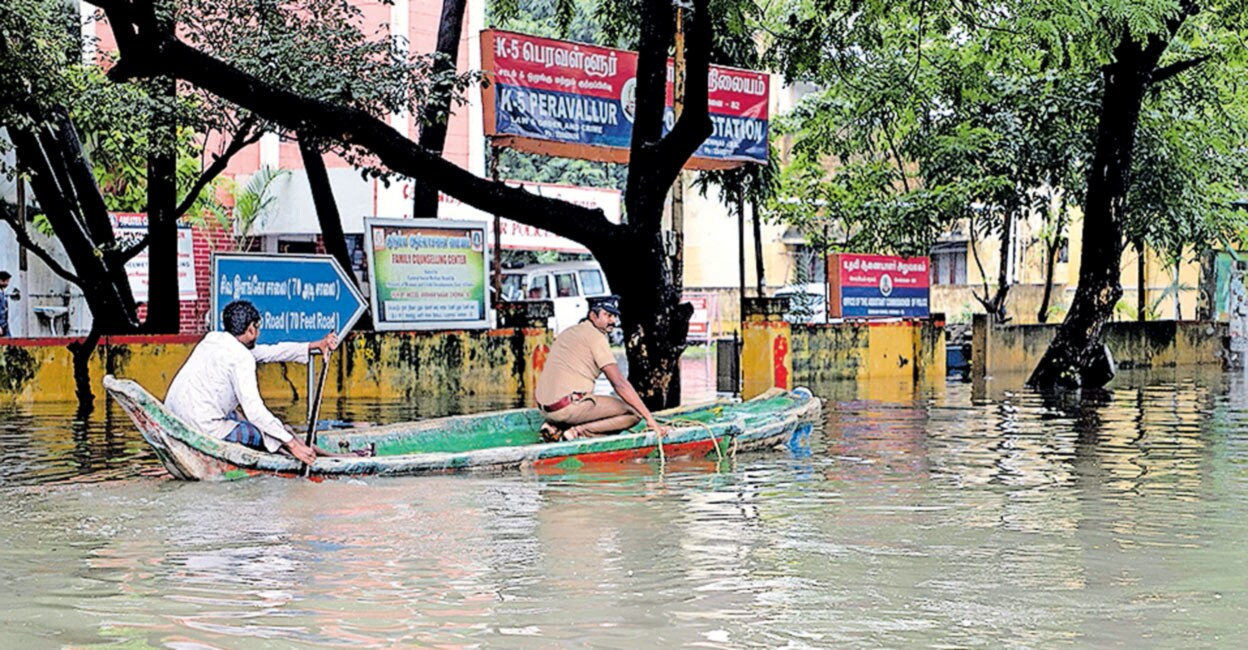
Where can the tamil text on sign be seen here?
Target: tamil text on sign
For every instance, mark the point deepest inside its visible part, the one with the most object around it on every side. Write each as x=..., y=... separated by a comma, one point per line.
x=427, y=273
x=299, y=297
x=878, y=286
x=583, y=95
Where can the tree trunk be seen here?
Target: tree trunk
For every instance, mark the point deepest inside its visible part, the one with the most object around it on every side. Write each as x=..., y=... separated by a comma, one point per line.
x=632, y=254
x=110, y=305
x=69, y=161
x=1077, y=354
x=1141, y=292
x=1053, y=244
x=996, y=307
x=758, y=250
x=1050, y=262
x=656, y=322
x=53, y=158
x=435, y=115
x=163, y=307
x=323, y=198
x=1207, y=286
x=327, y=215
x=81, y=352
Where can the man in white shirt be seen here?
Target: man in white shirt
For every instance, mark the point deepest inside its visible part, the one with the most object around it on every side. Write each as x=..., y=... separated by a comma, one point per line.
x=220, y=376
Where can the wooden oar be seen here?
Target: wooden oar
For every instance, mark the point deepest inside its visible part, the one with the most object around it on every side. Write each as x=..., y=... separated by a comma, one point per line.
x=316, y=407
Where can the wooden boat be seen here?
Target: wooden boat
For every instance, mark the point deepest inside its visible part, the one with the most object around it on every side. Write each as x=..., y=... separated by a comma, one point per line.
x=499, y=440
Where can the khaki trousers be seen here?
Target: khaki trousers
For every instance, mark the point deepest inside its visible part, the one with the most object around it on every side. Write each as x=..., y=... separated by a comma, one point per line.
x=596, y=415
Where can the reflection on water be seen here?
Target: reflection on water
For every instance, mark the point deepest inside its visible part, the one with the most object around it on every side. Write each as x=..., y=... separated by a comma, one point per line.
x=918, y=517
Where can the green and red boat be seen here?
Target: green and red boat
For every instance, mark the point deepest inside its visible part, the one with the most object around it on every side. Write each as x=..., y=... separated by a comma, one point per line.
x=494, y=441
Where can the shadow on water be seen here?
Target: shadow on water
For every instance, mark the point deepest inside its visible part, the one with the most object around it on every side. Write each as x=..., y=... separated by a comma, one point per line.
x=930, y=516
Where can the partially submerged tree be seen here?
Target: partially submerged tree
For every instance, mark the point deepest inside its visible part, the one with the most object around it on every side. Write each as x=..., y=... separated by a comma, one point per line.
x=49, y=90
x=888, y=58
x=1138, y=48
x=633, y=255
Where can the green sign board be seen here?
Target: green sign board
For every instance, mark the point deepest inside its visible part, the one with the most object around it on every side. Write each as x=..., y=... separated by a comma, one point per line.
x=428, y=273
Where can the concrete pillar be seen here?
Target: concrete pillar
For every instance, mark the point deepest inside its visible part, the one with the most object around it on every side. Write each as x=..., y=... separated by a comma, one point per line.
x=766, y=359
x=537, y=343
x=981, y=331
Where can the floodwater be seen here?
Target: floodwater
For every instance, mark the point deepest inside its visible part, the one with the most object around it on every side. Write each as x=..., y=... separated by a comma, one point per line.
x=939, y=517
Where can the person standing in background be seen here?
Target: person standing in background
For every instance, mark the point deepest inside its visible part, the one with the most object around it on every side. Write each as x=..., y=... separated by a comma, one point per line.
x=5, y=296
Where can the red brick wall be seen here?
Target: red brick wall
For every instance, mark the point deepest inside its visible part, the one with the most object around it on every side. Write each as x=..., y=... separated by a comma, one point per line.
x=193, y=314
x=205, y=241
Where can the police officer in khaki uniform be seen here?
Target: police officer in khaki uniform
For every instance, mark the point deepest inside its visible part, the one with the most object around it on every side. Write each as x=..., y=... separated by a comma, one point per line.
x=565, y=389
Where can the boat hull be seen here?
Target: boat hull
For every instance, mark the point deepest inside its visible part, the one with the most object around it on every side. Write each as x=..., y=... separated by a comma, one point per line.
x=497, y=441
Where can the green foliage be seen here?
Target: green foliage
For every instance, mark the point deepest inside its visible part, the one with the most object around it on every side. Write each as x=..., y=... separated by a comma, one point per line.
x=251, y=205
x=520, y=166
x=989, y=110
x=38, y=42
x=1190, y=165
x=331, y=58
x=114, y=121
x=574, y=20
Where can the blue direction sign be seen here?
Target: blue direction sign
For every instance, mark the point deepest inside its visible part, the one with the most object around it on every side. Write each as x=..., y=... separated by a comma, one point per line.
x=300, y=297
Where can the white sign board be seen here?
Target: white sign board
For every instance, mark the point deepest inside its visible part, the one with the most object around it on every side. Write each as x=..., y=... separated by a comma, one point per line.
x=130, y=230
x=428, y=274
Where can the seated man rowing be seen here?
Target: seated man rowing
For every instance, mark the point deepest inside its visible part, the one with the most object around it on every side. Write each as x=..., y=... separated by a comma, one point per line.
x=220, y=376
x=565, y=389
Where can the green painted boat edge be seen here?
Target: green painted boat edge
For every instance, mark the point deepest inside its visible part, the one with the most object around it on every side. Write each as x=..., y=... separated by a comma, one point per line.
x=189, y=454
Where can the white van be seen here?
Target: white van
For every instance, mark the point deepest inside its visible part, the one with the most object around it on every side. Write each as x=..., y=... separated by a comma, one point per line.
x=566, y=284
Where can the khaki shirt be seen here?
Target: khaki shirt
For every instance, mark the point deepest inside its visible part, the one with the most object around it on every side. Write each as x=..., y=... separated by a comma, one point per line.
x=576, y=359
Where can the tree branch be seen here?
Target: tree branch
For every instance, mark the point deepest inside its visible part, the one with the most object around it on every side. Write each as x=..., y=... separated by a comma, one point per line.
x=154, y=54
x=435, y=115
x=1175, y=69
x=238, y=142
x=694, y=125
x=23, y=238
x=644, y=185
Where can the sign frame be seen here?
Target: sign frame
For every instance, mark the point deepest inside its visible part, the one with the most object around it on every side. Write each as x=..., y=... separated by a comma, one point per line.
x=347, y=279
x=875, y=287
x=710, y=307
x=585, y=151
x=126, y=232
x=379, y=322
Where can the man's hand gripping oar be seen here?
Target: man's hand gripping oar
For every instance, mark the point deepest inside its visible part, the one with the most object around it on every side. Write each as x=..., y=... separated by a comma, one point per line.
x=324, y=346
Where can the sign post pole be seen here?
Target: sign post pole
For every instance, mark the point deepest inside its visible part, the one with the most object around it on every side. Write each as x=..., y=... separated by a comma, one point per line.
x=498, y=234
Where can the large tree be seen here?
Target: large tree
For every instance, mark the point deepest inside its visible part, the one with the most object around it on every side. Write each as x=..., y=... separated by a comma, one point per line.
x=1140, y=49
x=895, y=71
x=89, y=146
x=633, y=255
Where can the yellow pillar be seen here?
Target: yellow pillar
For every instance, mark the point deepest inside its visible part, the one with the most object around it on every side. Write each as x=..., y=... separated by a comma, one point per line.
x=766, y=360
x=537, y=343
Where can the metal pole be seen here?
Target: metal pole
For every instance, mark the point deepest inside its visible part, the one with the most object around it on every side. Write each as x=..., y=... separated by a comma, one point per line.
x=827, y=278
x=498, y=234
x=22, y=264
x=311, y=383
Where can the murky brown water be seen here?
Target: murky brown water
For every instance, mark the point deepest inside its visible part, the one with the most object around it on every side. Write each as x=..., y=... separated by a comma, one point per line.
x=918, y=518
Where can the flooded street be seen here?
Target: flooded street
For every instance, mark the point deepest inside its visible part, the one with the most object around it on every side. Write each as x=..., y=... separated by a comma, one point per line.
x=928, y=518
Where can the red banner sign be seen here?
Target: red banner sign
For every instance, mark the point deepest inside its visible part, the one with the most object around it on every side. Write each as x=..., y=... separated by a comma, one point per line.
x=878, y=286
x=577, y=100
